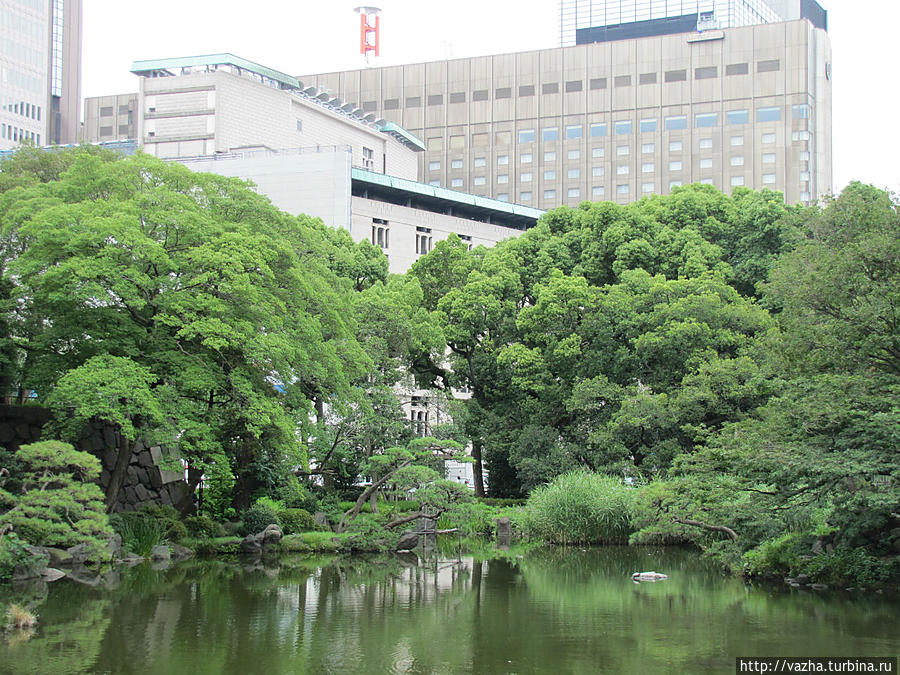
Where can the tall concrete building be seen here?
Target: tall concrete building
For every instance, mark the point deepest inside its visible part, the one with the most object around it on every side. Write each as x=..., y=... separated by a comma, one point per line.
x=40, y=71
x=619, y=119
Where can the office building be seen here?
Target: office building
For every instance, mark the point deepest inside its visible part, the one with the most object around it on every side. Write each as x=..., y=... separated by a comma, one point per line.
x=619, y=119
x=40, y=71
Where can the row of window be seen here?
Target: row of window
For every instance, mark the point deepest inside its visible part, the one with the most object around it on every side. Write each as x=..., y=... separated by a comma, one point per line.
x=22, y=53
x=13, y=77
x=11, y=133
x=573, y=86
x=22, y=108
x=20, y=23
x=107, y=110
x=424, y=241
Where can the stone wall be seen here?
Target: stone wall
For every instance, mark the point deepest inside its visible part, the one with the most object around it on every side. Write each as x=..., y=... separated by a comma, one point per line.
x=149, y=478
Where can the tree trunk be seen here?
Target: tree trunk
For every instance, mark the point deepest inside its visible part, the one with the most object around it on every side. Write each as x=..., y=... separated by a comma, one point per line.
x=477, y=468
x=705, y=526
x=351, y=513
x=117, y=478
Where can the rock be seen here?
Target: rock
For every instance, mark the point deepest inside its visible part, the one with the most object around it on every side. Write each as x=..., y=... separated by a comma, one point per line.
x=143, y=494
x=160, y=553
x=789, y=581
x=160, y=565
x=819, y=587
x=252, y=543
x=114, y=546
x=320, y=518
x=34, y=566
x=407, y=542
x=272, y=535
x=503, y=526
x=803, y=579
x=648, y=576
x=132, y=559
x=181, y=552
x=84, y=575
x=53, y=574
x=59, y=557
x=818, y=548
x=146, y=459
x=794, y=584
x=80, y=553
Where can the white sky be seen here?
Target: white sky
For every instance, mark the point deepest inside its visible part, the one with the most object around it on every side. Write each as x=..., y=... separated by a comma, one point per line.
x=304, y=37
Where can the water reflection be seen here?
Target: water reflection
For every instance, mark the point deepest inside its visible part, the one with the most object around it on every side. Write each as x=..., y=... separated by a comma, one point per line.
x=553, y=610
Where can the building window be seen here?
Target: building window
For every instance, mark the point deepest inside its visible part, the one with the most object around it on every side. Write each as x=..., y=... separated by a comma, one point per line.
x=648, y=126
x=622, y=170
x=380, y=233
x=706, y=73
x=706, y=163
x=503, y=178
x=573, y=173
x=413, y=101
x=394, y=103
x=550, y=88
x=768, y=139
x=574, y=154
x=456, y=182
x=737, y=116
x=675, y=146
x=768, y=178
x=503, y=137
x=433, y=99
x=550, y=174
x=770, y=114
x=598, y=129
x=502, y=197
x=503, y=92
x=479, y=162
x=456, y=164
x=799, y=136
x=598, y=153
x=368, y=158
x=502, y=160
x=804, y=156
x=105, y=111
x=705, y=143
x=300, y=125
x=480, y=140
x=768, y=158
x=623, y=189
x=598, y=171
x=647, y=78
x=480, y=95
x=675, y=165
x=674, y=184
x=434, y=183
x=737, y=140
x=598, y=191
x=573, y=131
x=675, y=76
x=737, y=160
x=550, y=134
x=549, y=194
x=434, y=166
x=647, y=148
x=423, y=240
x=768, y=66
x=648, y=187
x=526, y=135
x=457, y=97
x=435, y=144
x=737, y=181
x=525, y=197
x=737, y=69
x=706, y=181
x=457, y=142
x=623, y=127
x=805, y=197
x=704, y=120
x=623, y=150
x=676, y=122
x=526, y=158
x=800, y=112
x=648, y=167
x=526, y=90
x=622, y=80
x=573, y=86
x=598, y=83
x=573, y=193
x=479, y=180
x=550, y=156
x=370, y=106
x=525, y=177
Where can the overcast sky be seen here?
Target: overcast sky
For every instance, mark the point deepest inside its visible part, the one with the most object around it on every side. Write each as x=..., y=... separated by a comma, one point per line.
x=302, y=37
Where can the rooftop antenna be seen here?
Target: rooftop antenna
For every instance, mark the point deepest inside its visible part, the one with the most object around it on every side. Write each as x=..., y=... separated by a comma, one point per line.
x=368, y=31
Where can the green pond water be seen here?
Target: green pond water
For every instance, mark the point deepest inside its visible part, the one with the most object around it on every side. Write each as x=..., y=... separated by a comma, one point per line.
x=547, y=611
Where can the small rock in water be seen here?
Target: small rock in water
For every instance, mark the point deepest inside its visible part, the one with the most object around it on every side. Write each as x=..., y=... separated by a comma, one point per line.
x=819, y=587
x=648, y=576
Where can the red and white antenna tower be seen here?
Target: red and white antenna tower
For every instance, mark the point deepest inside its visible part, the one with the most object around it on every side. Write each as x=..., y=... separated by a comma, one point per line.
x=368, y=31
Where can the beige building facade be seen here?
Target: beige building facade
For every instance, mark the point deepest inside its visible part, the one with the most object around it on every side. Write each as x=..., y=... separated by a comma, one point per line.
x=747, y=106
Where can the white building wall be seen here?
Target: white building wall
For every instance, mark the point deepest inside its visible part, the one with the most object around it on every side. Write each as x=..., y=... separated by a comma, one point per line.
x=24, y=77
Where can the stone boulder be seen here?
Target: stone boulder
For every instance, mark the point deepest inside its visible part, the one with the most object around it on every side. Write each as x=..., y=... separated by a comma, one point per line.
x=407, y=542
x=251, y=544
x=34, y=566
x=272, y=535
x=59, y=557
x=161, y=552
x=268, y=539
x=181, y=552
x=53, y=574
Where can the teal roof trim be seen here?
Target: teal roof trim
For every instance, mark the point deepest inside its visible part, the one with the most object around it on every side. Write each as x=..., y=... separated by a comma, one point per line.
x=139, y=67
x=403, y=136
x=443, y=193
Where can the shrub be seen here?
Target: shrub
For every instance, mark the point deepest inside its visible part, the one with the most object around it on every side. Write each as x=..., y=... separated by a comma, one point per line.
x=580, y=507
x=502, y=501
x=257, y=518
x=202, y=527
x=139, y=533
x=12, y=553
x=294, y=521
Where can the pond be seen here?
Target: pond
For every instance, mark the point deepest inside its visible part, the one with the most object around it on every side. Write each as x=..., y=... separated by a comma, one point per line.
x=546, y=611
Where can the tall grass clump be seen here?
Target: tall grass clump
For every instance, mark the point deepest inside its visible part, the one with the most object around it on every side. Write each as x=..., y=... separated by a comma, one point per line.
x=580, y=507
x=140, y=535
